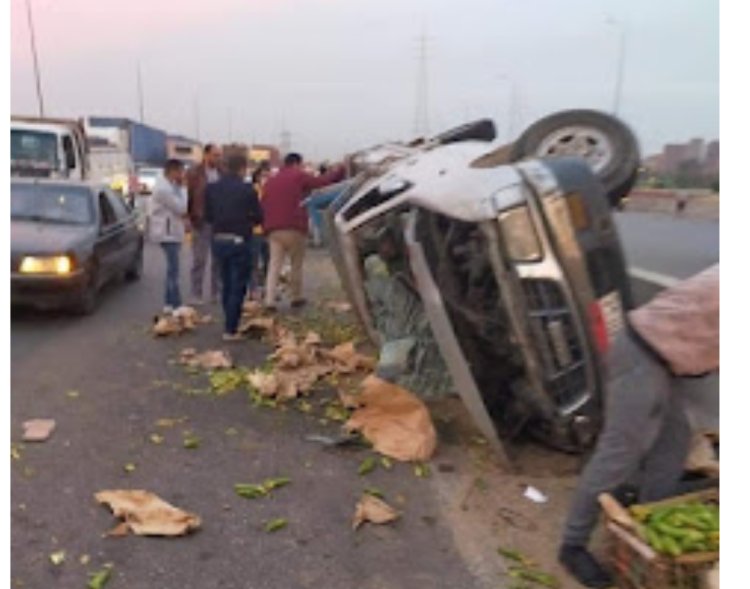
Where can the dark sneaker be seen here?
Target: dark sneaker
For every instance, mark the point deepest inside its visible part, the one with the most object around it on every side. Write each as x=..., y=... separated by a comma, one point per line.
x=298, y=303
x=232, y=337
x=584, y=568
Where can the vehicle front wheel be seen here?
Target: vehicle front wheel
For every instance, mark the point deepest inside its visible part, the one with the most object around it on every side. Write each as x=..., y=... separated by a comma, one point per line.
x=86, y=305
x=135, y=271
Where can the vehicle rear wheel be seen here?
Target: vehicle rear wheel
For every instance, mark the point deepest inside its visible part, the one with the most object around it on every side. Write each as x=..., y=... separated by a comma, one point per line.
x=605, y=142
x=135, y=271
x=86, y=305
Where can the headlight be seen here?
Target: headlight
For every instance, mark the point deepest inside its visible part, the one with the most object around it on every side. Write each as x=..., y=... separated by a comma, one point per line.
x=60, y=265
x=520, y=235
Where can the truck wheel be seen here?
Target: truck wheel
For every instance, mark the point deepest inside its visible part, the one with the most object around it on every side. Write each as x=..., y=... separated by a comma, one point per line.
x=605, y=142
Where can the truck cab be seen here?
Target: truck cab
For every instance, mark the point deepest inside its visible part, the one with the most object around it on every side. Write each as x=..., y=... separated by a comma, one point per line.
x=48, y=148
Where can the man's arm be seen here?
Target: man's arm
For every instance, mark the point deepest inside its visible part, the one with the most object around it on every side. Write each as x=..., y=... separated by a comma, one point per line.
x=310, y=182
x=170, y=200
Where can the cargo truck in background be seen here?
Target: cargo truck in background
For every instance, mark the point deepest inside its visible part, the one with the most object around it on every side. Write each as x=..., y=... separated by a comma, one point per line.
x=48, y=148
x=146, y=146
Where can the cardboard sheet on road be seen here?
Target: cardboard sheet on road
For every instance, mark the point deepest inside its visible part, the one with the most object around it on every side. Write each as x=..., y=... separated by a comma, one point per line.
x=395, y=421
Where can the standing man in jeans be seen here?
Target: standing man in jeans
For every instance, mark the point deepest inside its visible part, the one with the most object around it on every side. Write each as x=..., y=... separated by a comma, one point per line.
x=168, y=227
x=199, y=178
x=286, y=222
x=233, y=210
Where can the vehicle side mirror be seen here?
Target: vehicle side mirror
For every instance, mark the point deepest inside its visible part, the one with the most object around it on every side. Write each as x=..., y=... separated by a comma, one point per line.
x=70, y=160
x=70, y=154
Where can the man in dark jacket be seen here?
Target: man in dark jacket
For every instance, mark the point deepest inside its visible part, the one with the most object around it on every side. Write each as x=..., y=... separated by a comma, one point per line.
x=286, y=222
x=233, y=210
x=198, y=178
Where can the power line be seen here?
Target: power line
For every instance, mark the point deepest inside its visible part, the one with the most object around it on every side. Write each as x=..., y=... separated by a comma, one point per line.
x=37, y=75
x=140, y=91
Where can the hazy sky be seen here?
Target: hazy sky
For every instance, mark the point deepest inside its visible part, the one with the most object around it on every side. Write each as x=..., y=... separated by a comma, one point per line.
x=342, y=74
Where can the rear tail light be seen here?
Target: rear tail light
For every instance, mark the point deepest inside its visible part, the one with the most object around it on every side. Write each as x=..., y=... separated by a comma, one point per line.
x=598, y=328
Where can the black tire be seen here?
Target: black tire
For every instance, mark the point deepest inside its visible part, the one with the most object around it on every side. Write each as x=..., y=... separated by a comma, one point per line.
x=135, y=271
x=610, y=146
x=86, y=305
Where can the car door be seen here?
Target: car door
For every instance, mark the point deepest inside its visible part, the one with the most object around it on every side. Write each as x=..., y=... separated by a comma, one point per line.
x=127, y=236
x=107, y=246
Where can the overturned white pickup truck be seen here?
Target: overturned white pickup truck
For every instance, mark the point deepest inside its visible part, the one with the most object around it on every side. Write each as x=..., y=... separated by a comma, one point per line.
x=494, y=271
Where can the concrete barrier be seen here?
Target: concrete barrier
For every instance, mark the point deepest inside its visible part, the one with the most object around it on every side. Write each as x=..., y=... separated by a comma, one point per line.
x=696, y=204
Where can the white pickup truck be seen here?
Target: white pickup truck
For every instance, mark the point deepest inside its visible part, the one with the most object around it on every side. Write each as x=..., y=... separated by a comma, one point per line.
x=48, y=148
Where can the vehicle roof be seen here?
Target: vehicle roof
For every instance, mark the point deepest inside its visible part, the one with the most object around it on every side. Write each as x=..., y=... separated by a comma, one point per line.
x=44, y=127
x=91, y=184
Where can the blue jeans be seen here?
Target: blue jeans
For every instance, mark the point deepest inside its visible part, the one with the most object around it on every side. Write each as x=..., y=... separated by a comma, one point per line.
x=233, y=261
x=321, y=200
x=259, y=262
x=172, y=296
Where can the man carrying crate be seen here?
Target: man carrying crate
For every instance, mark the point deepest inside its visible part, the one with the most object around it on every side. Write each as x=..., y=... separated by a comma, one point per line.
x=646, y=435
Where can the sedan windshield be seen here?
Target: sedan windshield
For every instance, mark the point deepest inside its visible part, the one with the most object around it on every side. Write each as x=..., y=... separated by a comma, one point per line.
x=51, y=203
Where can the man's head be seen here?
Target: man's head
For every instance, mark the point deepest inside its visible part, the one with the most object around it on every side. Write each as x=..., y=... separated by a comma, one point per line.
x=173, y=171
x=261, y=173
x=292, y=160
x=212, y=155
x=237, y=165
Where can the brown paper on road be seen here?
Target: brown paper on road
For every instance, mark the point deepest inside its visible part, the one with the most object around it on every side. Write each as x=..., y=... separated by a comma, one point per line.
x=38, y=430
x=681, y=324
x=145, y=514
x=394, y=420
x=372, y=509
x=208, y=360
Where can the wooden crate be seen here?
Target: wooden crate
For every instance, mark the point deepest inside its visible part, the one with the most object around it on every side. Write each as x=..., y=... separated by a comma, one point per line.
x=638, y=566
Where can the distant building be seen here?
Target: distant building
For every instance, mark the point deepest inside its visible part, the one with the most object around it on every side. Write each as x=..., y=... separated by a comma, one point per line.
x=676, y=157
x=711, y=164
x=184, y=149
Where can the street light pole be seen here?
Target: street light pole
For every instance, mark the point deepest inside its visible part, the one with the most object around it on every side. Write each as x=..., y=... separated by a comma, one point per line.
x=140, y=92
x=37, y=76
x=620, y=65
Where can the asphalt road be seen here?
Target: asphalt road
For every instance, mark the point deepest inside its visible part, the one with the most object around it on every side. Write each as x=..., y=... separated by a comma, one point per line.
x=662, y=244
x=125, y=382
x=659, y=249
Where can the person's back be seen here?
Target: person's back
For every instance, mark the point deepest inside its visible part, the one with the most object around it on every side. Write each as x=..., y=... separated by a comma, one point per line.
x=283, y=195
x=232, y=206
x=282, y=200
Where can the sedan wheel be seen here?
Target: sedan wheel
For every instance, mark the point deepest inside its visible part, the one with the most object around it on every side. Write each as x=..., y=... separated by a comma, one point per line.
x=135, y=271
x=86, y=305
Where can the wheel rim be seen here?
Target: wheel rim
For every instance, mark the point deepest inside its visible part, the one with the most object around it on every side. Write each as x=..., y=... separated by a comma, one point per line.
x=586, y=142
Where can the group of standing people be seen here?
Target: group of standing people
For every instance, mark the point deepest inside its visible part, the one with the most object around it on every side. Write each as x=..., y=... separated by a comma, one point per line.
x=242, y=232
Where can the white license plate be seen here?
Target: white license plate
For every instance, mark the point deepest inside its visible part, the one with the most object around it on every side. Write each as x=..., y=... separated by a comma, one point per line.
x=611, y=308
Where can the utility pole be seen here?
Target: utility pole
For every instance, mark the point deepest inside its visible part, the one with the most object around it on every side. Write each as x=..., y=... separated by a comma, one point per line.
x=422, y=109
x=620, y=68
x=197, y=115
x=229, y=123
x=140, y=91
x=37, y=75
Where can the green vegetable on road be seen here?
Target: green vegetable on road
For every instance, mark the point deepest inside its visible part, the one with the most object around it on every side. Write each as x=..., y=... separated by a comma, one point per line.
x=100, y=578
x=367, y=466
x=191, y=442
x=275, y=525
